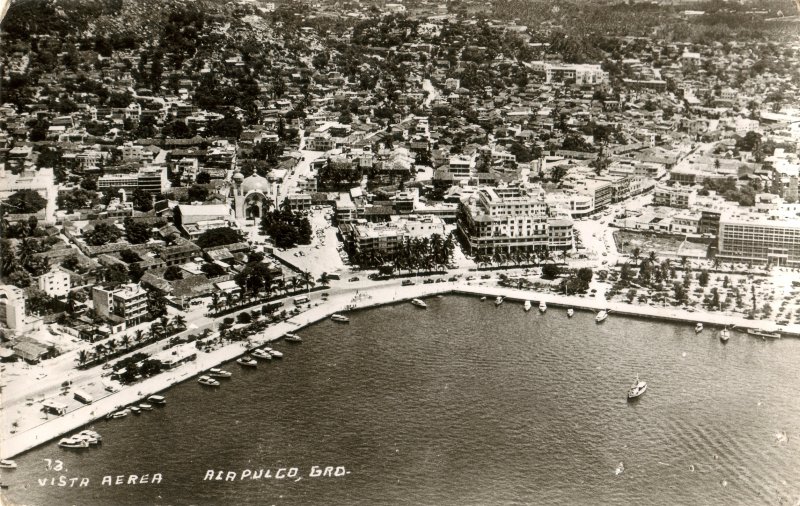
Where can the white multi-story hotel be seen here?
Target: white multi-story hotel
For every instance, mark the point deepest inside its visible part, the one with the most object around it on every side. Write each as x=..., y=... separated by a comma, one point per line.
x=755, y=237
x=511, y=219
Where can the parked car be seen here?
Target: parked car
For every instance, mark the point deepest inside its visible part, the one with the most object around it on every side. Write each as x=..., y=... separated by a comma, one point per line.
x=354, y=278
x=428, y=281
x=440, y=280
x=407, y=282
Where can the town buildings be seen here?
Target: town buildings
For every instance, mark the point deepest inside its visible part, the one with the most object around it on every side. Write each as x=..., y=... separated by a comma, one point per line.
x=756, y=237
x=125, y=304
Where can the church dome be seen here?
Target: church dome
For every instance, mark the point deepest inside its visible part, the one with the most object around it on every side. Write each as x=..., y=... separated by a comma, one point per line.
x=255, y=183
x=238, y=177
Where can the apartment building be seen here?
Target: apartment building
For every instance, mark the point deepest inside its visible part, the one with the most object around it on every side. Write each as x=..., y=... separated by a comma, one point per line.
x=126, y=303
x=755, y=237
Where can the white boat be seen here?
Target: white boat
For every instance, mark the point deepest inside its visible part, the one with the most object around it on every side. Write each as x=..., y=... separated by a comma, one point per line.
x=483, y=298
x=698, y=328
x=542, y=307
x=8, y=464
x=92, y=434
x=570, y=312
x=274, y=353
x=637, y=389
x=262, y=354
x=601, y=316
x=158, y=400
x=208, y=381
x=120, y=414
x=90, y=440
x=527, y=306
x=215, y=372
x=419, y=303
x=340, y=318
x=145, y=407
x=292, y=338
x=71, y=442
x=136, y=410
x=247, y=362
x=724, y=335
x=498, y=301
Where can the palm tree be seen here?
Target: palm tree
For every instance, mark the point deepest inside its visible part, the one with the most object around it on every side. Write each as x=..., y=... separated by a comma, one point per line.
x=125, y=341
x=636, y=253
x=652, y=258
x=228, y=299
x=82, y=357
x=215, y=301
x=99, y=351
x=307, y=279
x=139, y=335
x=179, y=321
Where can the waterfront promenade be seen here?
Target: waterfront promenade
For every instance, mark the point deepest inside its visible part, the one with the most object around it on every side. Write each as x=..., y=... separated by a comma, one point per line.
x=343, y=301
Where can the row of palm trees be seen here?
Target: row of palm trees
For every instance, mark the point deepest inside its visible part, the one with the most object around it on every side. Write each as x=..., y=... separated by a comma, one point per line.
x=501, y=258
x=412, y=254
x=251, y=292
x=159, y=329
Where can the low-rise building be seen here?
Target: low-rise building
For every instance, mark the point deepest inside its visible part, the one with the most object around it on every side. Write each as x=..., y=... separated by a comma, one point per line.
x=126, y=304
x=682, y=197
x=55, y=283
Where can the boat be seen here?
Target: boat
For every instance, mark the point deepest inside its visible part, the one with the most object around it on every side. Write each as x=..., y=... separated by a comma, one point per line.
x=274, y=353
x=601, y=316
x=498, y=301
x=340, y=318
x=92, y=434
x=698, y=328
x=71, y=442
x=208, y=381
x=158, y=400
x=570, y=312
x=637, y=389
x=247, y=362
x=145, y=407
x=216, y=372
x=542, y=307
x=136, y=410
x=8, y=464
x=772, y=334
x=262, y=354
x=419, y=303
x=724, y=335
x=90, y=440
x=483, y=298
x=527, y=306
x=120, y=414
x=292, y=338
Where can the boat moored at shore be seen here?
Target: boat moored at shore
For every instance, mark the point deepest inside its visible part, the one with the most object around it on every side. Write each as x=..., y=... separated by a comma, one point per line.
x=216, y=372
x=340, y=318
x=8, y=464
x=527, y=306
x=157, y=400
x=698, y=328
x=498, y=301
x=765, y=334
x=724, y=335
x=601, y=316
x=247, y=362
x=262, y=354
x=542, y=306
x=208, y=381
x=570, y=312
x=274, y=353
x=292, y=338
x=419, y=303
x=73, y=443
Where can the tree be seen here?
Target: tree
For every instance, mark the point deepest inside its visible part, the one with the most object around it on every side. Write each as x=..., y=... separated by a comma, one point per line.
x=218, y=237
x=173, y=273
x=26, y=201
x=129, y=256
x=203, y=178
x=142, y=201
x=198, y=193
x=135, y=232
x=550, y=271
x=102, y=233
x=703, y=278
x=212, y=270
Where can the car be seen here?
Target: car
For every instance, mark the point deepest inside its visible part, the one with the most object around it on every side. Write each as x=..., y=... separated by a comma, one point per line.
x=470, y=278
x=486, y=276
x=407, y=282
x=354, y=278
x=428, y=281
x=452, y=278
x=440, y=280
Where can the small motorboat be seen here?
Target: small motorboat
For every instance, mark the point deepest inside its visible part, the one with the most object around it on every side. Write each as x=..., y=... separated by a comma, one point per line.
x=274, y=353
x=498, y=301
x=542, y=307
x=91, y=440
x=215, y=372
x=419, y=303
x=570, y=312
x=208, y=381
x=136, y=410
x=247, y=362
x=698, y=328
x=262, y=354
x=483, y=298
x=121, y=414
x=145, y=407
x=339, y=318
x=637, y=389
x=724, y=335
x=92, y=434
x=601, y=316
x=73, y=443
x=8, y=464
x=772, y=334
x=157, y=400
x=292, y=338
x=527, y=306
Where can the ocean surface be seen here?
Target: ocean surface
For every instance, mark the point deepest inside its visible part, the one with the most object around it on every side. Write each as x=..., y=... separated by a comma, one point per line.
x=463, y=403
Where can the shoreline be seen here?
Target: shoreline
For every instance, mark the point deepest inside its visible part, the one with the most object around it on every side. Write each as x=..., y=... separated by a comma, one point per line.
x=371, y=298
